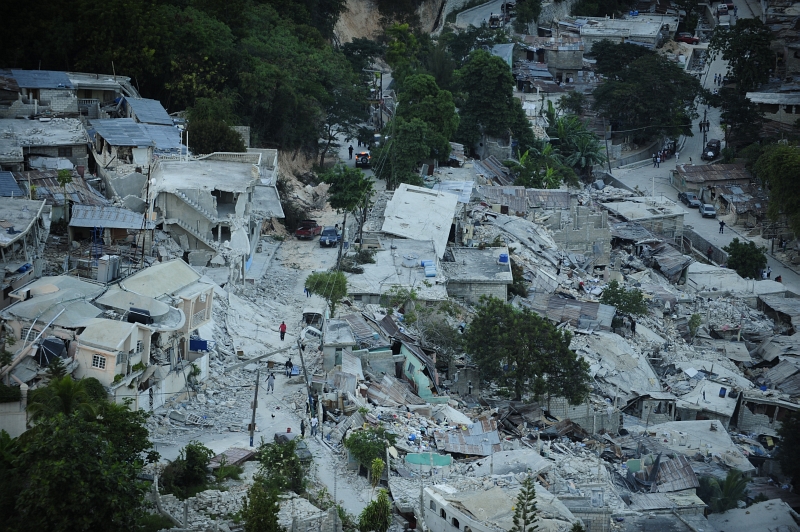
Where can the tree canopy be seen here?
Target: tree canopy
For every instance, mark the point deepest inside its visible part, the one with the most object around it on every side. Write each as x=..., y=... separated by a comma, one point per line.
x=746, y=48
x=525, y=513
x=630, y=302
x=778, y=168
x=520, y=349
x=645, y=94
x=746, y=258
x=208, y=136
x=331, y=286
x=790, y=445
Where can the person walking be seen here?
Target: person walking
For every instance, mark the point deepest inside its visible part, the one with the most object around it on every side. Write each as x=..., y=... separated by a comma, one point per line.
x=709, y=252
x=306, y=292
x=282, y=330
x=633, y=327
x=721, y=227
x=658, y=162
x=288, y=367
x=654, y=160
x=677, y=156
x=769, y=272
x=350, y=151
x=690, y=161
x=302, y=428
x=314, y=423
x=271, y=383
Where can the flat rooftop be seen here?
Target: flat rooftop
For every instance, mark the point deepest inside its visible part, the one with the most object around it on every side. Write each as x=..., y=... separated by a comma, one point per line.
x=478, y=265
x=43, y=132
x=421, y=214
x=204, y=174
x=161, y=279
x=50, y=295
x=389, y=270
x=107, y=334
x=17, y=215
x=645, y=208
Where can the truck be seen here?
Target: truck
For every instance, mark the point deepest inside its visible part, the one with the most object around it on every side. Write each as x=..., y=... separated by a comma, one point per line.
x=329, y=237
x=712, y=150
x=308, y=229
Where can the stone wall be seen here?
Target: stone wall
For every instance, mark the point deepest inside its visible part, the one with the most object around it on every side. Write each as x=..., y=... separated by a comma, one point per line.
x=585, y=415
x=587, y=232
x=555, y=11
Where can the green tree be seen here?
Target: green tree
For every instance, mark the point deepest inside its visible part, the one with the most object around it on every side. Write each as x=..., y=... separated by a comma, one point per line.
x=746, y=258
x=61, y=396
x=649, y=96
x=525, y=513
x=778, y=168
x=724, y=495
x=629, y=302
x=490, y=107
x=66, y=464
x=361, y=52
x=330, y=286
x=528, y=11
x=742, y=117
x=399, y=158
x=56, y=369
x=377, y=516
x=368, y=444
x=281, y=468
x=573, y=102
x=65, y=178
x=421, y=98
x=376, y=468
x=746, y=48
x=260, y=509
x=208, y=136
x=343, y=108
x=462, y=43
x=524, y=351
x=349, y=190
x=188, y=473
x=790, y=445
x=401, y=51
x=612, y=59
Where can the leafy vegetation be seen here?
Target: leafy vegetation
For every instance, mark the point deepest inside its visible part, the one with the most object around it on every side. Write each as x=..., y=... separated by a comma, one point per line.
x=746, y=258
x=778, y=168
x=628, y=302
x=281, y=468
x=520, y=349
x=525, y=514
x=350, y=190
x=330, y=286
x=746, y=48
x=188, y=474
x=62, y=396
x=790, y=445
x=208, y=136
x=724, y=495
x=645, y=94
x=368, y=444
x=377, y=516
x=260, y=508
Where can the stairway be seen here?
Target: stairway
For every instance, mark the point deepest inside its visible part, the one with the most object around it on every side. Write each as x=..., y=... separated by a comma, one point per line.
x=186, y=227
x=196, y=207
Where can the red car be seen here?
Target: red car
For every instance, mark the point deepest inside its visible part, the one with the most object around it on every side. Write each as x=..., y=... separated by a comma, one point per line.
x=687, y=38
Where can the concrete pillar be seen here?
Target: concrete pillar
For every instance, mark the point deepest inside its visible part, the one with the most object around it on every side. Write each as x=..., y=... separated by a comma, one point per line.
x=23, y=399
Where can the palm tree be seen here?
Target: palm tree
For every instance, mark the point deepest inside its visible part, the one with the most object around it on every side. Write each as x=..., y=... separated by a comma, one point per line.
x=724, y=495
x=586, y=152
x=62, y=396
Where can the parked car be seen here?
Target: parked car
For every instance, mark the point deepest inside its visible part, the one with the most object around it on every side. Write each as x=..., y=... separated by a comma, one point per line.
x=300, y=448
x=708, y=211
x=362, y=159
x=687, y=38
x=686, y=197
x=329, y=237
x=712, y=150
x=308, y=229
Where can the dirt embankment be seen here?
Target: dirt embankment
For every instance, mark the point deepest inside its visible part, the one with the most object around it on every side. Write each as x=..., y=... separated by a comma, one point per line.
x=362, y=19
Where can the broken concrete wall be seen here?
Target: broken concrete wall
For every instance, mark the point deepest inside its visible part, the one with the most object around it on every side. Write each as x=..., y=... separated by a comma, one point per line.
x=585, y=232
x=129, y=185
x=471, y=291
x=585, y=415
x=759, y=418
x=701, y=245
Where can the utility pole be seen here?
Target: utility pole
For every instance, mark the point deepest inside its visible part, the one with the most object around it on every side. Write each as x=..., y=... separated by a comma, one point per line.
x=705, y=128
x=305, y=374
x=255, y=404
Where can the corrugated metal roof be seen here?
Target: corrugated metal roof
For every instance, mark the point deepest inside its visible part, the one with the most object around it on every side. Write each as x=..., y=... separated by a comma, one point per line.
x=361, y=329
x=492, y=167
x=560, y=310
x=779, y=346
x=42, y=79
x=166, y=138
x=121, y=132
x=670, y=261
x=479, y=439
x=8, y=186
x=513, y=197
x=791, y=385
x=632, y=231
x=462, y=189
x=703, y=173
x=107, y=217
x=676, y=475
x=776, y=375
x=392, y=392
x=48, y=188
x=149, y=111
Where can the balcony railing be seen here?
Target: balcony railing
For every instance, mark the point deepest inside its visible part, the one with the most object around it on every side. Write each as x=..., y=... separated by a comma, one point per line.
x=198, y=317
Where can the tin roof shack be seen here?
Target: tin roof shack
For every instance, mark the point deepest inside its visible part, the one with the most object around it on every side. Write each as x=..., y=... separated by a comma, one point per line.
x=784, y=310
x=205, y=202
x=46, y=186
x=121, y=147
x=693, y=178
x=658, y=215
x=747, y=203
x=563, y=55
x=478, y=272
x=104, y=224
x=493, y=171
x=783, y=107
x=56, y=138
x=419, y=213
x=115, y=353
x=762, y=413
x=24, y=226
x=145, y=111
x=398, y=264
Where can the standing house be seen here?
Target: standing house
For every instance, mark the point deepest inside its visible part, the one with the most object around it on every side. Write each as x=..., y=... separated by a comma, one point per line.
x=478, y=272
x=694, y=178
x=115, y=353
x=563, y=55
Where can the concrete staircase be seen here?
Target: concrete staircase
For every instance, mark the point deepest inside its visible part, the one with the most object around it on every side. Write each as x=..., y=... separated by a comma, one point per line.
x=186, y=227
x=196, y=207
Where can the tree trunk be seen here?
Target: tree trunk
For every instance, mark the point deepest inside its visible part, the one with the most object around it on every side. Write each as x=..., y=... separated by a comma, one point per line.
x=341, y=242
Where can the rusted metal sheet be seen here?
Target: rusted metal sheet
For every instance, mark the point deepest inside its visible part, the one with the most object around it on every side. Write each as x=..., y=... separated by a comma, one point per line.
x=479, y=439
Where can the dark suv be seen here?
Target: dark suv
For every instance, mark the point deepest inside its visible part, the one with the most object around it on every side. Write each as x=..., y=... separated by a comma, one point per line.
x=362, y=159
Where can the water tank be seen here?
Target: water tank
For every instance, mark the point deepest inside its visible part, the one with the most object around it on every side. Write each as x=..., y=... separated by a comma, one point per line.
x=426, y=263
x=722, y=392
x=139, y=315
x=503, y=258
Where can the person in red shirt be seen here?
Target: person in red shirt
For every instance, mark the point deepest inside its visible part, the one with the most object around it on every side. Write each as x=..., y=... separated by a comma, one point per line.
x=282, y=329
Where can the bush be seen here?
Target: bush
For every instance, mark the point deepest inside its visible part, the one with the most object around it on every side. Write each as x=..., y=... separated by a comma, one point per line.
x=746, y=258
x=153, y=523
x=188, y=474
x=9, y=394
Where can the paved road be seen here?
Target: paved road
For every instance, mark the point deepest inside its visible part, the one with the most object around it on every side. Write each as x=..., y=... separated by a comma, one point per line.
x=479, y=15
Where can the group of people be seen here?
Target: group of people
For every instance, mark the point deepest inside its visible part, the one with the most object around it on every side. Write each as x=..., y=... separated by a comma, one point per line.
x=718, y=81
x=310, y=405
x=766, y=273
x=314, y=423
x=662, y=156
